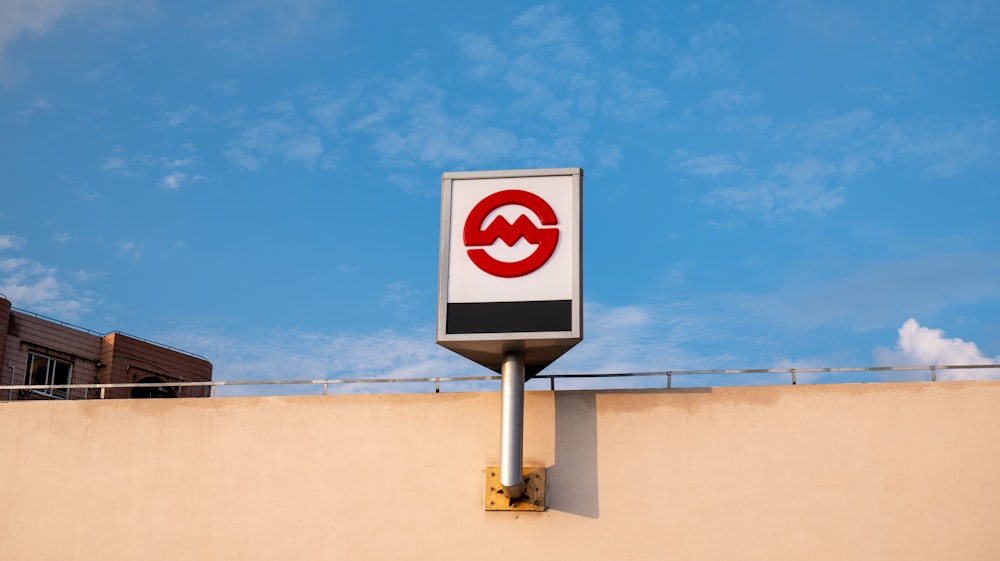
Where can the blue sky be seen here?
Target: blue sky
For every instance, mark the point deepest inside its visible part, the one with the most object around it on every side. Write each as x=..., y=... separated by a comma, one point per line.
x=767, y=184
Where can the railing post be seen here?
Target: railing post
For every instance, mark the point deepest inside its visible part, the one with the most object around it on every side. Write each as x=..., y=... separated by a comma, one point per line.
x=933, y=374
x=792, y=372
x=669, y=380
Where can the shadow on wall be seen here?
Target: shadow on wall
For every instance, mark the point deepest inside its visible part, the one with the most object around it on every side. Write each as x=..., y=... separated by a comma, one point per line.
x=572, y=480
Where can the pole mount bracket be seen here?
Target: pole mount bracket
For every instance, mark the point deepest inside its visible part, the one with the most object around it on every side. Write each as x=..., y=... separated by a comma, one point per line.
x=533, y=499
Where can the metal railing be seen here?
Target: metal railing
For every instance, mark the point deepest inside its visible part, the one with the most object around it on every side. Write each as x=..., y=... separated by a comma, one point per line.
x=669, y=375
x=55, y=321
x=99, y=334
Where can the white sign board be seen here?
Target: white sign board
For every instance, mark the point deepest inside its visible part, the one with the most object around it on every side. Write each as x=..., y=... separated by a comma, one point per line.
x=510, y=264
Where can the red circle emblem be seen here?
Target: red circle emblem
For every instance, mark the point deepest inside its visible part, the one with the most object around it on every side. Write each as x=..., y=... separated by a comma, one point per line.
x=476, y=235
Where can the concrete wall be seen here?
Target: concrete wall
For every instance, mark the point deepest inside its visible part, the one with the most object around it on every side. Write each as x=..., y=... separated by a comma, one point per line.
x=878, y=471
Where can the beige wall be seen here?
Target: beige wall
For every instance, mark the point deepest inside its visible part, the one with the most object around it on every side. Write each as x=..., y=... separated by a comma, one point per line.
x=878, y=471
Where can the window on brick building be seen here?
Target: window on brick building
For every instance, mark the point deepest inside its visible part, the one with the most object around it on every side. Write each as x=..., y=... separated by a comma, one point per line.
x=44, y=371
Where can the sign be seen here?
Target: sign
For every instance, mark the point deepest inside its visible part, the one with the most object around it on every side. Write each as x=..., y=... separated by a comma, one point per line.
x=510, y=265
x=545, y=239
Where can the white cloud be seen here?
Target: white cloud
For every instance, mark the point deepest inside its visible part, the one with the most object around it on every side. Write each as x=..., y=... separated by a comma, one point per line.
x=224, y=87
x=242, y=159
x=922, y=346
x=618, y=339
x=610, y=156
x=114, y=164
x=945, y=148
x=62, y=238
x=328, y=111
x=296, y=355
x=632, y=339
x=130, y=250
x=20, y=18
x=848, y=129
x=631, y=100
x=749, y=199
x=804, y=187
x=174, y=180
x=183, y=118
x=752, y=125
x=87, y=276
x=546, y=31
x=485, y=57
x=608, y=25
x=138, y=166
x=400, y=298
x=827, y=22
x=414, y=125
x=942, y=148
x=729, y=98
x=718, y=33
x=855, y=163
x=808, y=170
x=87, y=195
x=305, y=149
x=375, y=117
x=38, y=105
x=865, y=296
x=711, y=165
x=776, y=202
x=527, y=77
x=412, y=121
x=292, y=18
x=8, y=241
x=613, y=342
x=134, y=166
x=286, y=21
x=178, y=163
x=708, y=53
x=810, y=198
x=41, y=289
x=557, y=153
x=653, y=41
x=796, y=187
x=284, y=134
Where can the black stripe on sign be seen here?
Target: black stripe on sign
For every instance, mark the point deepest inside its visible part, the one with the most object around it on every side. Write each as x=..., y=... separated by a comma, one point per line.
x=510, y=317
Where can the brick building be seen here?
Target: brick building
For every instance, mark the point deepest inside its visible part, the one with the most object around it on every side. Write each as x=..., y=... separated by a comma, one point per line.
x=35, y=350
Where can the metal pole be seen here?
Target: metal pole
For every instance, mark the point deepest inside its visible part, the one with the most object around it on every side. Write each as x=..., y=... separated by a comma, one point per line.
x=512, y=424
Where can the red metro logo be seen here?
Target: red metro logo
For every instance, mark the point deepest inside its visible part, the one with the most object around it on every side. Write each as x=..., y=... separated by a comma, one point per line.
x=476, y=236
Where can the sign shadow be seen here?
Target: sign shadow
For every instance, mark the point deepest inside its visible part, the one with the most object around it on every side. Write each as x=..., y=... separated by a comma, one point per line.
x=572, y=479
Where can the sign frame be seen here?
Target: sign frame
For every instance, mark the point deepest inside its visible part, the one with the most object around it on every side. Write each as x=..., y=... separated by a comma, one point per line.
x=545, y=341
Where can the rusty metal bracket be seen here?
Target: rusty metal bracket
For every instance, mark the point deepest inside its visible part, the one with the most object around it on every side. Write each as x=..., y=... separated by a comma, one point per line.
x=533, y=499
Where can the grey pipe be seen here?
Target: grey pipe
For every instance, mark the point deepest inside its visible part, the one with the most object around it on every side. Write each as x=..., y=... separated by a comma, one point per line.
x=512, y=424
